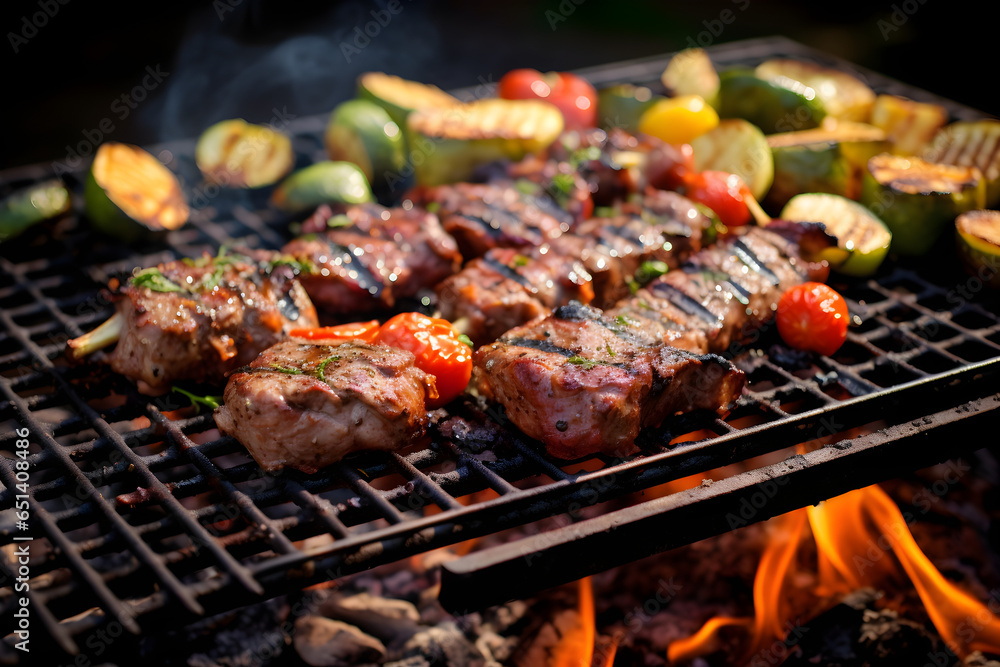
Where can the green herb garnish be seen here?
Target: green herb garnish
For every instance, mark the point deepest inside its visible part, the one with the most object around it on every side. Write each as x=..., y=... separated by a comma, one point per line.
x=321, y=369
x=297, y=265
x=563, y=183
x=465, y=339
x=585, y=363
x=156, y=281
x=521, y=260
x=433, y=207
x=611, y=352
x=650, y=270
x=285, y=369
x=211, y=402
x=526, y=187
x=584, y=155
x=340, y=220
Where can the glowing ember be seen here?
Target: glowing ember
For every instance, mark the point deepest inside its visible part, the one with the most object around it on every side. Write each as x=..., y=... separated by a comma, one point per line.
x=862, y=540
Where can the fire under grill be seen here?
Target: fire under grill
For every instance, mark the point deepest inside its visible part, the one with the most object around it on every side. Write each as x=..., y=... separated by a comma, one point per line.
x=143, y=517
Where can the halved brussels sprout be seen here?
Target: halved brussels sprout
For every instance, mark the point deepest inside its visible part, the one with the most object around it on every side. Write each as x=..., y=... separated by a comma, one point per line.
x=131, y=195
x=238, y=154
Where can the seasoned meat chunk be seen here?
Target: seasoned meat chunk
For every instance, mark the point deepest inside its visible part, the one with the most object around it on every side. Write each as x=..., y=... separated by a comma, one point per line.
x=199, y=319
x=481, y=216
x=367, y=257
x=583, y=383
x=730, y=290
x=305, y=406
x=506, y=287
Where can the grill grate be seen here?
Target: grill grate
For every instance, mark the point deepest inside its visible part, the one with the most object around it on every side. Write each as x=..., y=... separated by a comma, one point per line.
x=143, y=515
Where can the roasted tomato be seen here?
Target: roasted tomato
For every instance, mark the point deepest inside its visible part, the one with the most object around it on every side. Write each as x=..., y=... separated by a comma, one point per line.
x=813, y=316
x=724, y=193
x=365, y=331
x=440, y=351
x=572, y=94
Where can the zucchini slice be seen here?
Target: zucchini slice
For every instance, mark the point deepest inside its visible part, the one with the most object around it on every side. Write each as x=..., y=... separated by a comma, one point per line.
x=400, y=96
x=909, y=125
x=862, y=238
x=843, y=95
x=830, y=159
x=691, y=72
x=131, y=195
x=327, y=182
x=977, y=235
x=362, y=132
x=917, y=199
x=32, y=204
x=621, y=106
x=239, y=154
x=774, y=105
x=971, y=143
x=738, y=147
x=447, y=145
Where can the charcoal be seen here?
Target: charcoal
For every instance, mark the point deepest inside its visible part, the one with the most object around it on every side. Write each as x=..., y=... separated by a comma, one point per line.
x=443, y=646
x=323, y=642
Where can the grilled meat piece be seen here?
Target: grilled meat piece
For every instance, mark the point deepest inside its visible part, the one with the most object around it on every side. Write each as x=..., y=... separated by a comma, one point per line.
x=481, y=216
x=581, y=382
x=725, y=293
x=507, y=287
x=663, y=226
x=367, y=257
x=305, y=406
x=198, y=320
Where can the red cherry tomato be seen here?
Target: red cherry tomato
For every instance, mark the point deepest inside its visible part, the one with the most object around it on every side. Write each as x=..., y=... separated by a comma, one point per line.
x=365, y=331
x=724, y=193
x=813, y=316
x=439, y=349
x=572, y=94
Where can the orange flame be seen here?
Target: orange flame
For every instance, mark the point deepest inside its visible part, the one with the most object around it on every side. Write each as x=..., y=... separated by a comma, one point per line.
x=859, y=558
x=856, y=536
x=767, y=624
x=576, y=646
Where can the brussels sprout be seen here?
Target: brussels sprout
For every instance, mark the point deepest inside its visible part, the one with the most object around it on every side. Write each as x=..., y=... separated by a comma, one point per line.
x=30, y=205
x=400, y=96
x=448, y=145
x=622, y=105
x=822, y=160
x=971, y=143
x=239, y=154
x=909, y=125
x=977, y=235
x=774, y=105
x=862, y=239
x=327, y=182
x=843, y=95
x=131, y=195
x=738, y=147
x=917, y=200
x=691, y=72
x=362, y=132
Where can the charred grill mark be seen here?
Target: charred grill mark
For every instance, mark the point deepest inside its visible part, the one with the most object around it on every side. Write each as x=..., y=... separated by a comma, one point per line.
x=491, y=227
x=684, y=301
x=507, y=272
x=745, y=255
x=574, y=311
x=540, y=345
x=366, y=280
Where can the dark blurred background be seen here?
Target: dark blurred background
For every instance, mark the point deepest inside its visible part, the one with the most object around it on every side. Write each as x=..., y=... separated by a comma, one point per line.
x=78, y=72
